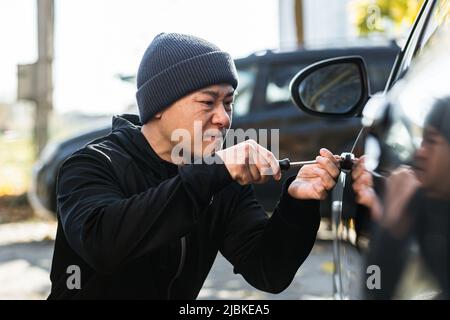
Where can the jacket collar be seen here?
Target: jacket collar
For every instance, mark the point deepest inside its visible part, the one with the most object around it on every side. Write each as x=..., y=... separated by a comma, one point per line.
x=127, y=127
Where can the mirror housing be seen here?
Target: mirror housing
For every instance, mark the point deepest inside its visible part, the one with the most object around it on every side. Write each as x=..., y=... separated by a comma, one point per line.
x=336, y=87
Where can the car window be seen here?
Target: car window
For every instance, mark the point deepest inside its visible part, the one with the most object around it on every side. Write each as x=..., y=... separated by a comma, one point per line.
x=280, y=76
x=439, y=16
x=410, y=46
x=413, y=96
x=378, y=71
x=243, y=99
x=423, y=33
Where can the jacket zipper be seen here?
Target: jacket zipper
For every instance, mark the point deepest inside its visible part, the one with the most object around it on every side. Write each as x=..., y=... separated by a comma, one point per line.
x=182, y=260
x=180, y=266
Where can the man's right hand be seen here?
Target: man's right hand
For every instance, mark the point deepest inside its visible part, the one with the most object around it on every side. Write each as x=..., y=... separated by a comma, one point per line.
x=248, y=162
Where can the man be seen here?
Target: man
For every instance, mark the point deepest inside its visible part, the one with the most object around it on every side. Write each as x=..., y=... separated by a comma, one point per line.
x=137, y=222
x=416, y=206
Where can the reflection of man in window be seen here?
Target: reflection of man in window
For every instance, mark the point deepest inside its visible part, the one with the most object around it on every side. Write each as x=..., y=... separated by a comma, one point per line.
x=416, y=206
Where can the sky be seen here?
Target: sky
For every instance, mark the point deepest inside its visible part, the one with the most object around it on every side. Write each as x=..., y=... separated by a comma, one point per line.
x=98, y=39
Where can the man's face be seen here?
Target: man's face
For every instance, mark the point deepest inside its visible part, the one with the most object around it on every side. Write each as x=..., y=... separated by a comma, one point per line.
x=204, y=115
x=432, y=163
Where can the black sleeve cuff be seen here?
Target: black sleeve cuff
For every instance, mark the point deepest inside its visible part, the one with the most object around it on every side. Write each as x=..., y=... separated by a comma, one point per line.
x=299, y=213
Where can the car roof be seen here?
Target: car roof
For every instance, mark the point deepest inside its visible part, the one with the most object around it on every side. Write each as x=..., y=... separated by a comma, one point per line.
x=276, y=56
x=269, y=56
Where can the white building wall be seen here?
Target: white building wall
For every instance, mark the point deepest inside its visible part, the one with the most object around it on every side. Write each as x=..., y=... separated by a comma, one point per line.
x=325, y=22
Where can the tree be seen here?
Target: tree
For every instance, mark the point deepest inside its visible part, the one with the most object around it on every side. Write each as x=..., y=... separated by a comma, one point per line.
x=382, y=16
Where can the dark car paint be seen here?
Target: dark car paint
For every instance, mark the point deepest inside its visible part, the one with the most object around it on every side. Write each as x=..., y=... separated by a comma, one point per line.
x=45, y=173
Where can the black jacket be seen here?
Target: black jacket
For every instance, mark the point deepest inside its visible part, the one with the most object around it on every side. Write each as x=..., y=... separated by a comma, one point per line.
x=140, y=227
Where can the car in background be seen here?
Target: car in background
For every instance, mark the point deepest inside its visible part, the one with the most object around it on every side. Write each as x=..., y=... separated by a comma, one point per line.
x=263, y=102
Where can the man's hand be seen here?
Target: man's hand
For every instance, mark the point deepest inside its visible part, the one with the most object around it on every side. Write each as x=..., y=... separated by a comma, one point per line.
x=248, y=162
x=363, y=188
x=314, y=181
x=363, y=184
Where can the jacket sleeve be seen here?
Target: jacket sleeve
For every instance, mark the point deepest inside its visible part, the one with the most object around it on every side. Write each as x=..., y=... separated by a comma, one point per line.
x=269, y=251
x=108, y=229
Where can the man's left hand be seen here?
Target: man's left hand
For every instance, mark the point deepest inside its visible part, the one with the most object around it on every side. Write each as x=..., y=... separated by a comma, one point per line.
x=315, y=180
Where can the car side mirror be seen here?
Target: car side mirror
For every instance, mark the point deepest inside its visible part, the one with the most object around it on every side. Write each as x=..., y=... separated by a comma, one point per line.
x=337, y=87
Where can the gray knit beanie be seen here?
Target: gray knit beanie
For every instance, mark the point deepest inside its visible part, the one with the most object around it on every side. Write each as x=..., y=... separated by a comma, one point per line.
x=175, y=65
x=439, y=117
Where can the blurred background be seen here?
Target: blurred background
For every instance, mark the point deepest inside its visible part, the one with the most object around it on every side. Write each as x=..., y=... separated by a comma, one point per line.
x=67, y=66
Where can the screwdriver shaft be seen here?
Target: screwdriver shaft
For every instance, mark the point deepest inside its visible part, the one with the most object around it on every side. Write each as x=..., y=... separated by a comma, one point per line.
x=302, y=163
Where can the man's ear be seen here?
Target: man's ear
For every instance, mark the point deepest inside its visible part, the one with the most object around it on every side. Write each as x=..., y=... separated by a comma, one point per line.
x=158, y=115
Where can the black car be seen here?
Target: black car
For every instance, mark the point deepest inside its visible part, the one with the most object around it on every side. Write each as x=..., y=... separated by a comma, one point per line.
x=263, y=102
x=393, y=131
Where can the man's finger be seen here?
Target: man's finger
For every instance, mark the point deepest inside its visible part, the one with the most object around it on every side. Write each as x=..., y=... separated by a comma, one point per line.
x=261, y=167
x=359, y=167
x=327, y=180
x=320, y=190
x=254, y=173
x=251, y=167
x=329, y=165
x=271, y=160
x=327, y=154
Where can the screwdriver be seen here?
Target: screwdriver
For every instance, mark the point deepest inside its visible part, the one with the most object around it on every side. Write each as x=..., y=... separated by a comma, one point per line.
x=286, y=164
x=346, y=162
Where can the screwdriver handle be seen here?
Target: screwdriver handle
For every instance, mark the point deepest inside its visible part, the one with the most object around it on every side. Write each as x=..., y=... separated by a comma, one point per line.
x=285, y=164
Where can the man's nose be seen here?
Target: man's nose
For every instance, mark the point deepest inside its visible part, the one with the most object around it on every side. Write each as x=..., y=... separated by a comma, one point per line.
x=221, y=117
x=421, y=153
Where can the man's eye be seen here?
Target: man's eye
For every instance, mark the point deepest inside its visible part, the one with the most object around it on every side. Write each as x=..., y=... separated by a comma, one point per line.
x=429, y=140
x=208, y=103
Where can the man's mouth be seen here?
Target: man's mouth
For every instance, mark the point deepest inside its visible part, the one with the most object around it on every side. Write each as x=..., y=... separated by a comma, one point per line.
x=213, y=137
x=418, y=169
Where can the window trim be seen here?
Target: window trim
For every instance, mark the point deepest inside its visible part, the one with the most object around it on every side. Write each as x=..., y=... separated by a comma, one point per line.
x=421, y=23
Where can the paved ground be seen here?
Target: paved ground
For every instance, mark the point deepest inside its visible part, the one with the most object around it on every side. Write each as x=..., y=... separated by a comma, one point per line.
x=26, y=252
x=312, y=281
x=25, y=260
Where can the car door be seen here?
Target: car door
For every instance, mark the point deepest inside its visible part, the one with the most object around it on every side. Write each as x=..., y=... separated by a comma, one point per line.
x=351, y=279
x=418, y=93
x=346, y=79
